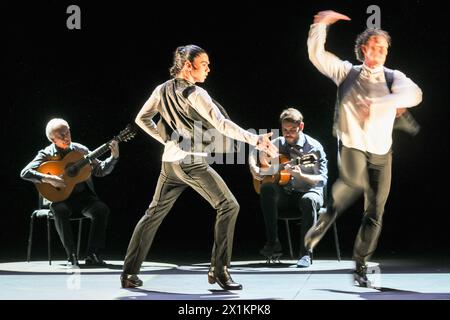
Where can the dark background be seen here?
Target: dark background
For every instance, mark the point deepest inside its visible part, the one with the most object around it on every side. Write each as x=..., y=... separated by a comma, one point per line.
x=97, y=78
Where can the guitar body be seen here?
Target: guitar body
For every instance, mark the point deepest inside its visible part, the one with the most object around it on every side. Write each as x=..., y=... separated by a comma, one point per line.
x=282, y=177
x=75, y=168
x=63, y=168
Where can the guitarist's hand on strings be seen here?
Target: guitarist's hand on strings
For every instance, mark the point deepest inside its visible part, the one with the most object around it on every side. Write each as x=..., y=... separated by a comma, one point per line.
x=55, y=181
x=264, y=144
x=114, y=146
x=294, y=171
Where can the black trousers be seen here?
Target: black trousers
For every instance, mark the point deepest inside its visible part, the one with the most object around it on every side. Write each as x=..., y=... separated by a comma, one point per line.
x=88, y=205
x=370, y=174
x=274, y=199
x=174, y=178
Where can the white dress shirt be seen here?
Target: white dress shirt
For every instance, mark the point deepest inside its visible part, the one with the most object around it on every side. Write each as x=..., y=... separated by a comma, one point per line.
x=373, y=134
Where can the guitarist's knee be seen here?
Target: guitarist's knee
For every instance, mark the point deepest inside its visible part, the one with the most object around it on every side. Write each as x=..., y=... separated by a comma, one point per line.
x=268, y=189
x=60, y=210
x=99, y=210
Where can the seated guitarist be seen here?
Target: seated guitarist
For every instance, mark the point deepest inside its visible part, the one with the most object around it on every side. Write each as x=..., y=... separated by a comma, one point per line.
x=83, y=198
x=304, y=192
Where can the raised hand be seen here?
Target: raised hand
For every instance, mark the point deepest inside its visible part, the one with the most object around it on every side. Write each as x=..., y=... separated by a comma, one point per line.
x=329, y=17
x=265, y=145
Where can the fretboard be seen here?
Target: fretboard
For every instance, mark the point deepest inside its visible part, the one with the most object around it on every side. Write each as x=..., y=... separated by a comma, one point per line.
x=94, y=154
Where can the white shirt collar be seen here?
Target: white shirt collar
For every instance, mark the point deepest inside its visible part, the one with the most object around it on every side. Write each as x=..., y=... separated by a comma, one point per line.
x=372, y=70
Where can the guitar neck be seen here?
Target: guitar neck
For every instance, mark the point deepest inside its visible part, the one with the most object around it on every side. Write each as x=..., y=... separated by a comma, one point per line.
x=94, y=154
x=304, y=160
x=99, y=151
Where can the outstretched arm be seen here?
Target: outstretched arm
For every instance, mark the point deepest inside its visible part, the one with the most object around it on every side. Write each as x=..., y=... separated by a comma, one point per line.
x=326, y=62
x=203, y=104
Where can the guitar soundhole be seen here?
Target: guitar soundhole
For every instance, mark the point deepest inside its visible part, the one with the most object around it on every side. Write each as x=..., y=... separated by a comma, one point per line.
x=71, y=171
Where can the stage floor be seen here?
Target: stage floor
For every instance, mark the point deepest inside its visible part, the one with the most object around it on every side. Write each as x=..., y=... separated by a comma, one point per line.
x=324, y=280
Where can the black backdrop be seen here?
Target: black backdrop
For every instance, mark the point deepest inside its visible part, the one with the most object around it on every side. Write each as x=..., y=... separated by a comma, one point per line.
x=97, y=78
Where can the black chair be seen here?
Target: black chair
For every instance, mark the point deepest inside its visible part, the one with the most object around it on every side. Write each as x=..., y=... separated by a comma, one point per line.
x=44, y=211
x=288, y=216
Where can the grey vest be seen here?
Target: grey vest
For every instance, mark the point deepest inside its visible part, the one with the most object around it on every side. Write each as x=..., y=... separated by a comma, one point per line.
x=405, y=122
x=182, y=123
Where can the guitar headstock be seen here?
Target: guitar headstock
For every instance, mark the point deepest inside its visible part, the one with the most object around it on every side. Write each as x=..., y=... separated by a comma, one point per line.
x=126, y=134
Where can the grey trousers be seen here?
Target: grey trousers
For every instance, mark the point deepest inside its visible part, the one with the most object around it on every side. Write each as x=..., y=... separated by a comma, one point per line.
x=363, y=172
x=174, y=178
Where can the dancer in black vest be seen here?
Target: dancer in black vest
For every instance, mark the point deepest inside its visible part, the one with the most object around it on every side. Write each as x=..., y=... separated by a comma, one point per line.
x=366, y=109
x=186, y=113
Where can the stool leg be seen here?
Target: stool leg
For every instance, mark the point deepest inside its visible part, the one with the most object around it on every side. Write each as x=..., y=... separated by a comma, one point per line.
x=49, y=242
x=30, y=238
x=336, y=241
x=80, y=226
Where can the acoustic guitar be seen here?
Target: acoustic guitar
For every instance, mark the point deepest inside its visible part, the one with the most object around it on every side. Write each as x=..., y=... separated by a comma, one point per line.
x=282, y=176
x=75, y=168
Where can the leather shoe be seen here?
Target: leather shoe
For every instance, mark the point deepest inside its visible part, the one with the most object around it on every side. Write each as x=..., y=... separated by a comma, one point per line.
x=318, y=230
x=73, y=260
x=224, y=280
x=360, y=276
x=130, y=281
x=271, y=250
x=94, y=260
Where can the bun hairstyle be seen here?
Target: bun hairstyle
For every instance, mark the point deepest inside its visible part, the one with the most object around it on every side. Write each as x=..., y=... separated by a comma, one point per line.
x=183, y=54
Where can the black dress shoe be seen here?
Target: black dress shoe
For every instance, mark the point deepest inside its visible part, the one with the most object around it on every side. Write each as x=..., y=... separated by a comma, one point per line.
x=317, y=231
x=130, y=281
x=271, y=249
x=360, y=276
x=224, y=280
x=94, y=260
x=73, y=260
